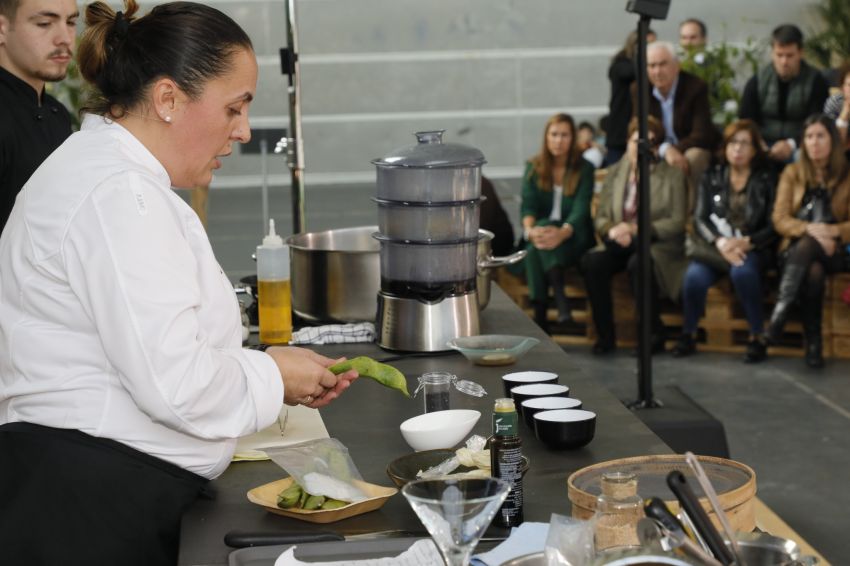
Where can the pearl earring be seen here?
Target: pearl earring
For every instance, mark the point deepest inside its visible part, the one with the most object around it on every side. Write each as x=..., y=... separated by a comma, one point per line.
x=168, y=119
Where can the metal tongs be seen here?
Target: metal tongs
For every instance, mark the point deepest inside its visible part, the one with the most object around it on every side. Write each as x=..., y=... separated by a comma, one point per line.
x=708, y=489
x=697, y=519
x=668, y=533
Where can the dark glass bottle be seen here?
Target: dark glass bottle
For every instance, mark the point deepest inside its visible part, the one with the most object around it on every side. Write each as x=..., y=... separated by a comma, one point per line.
x=506, y=460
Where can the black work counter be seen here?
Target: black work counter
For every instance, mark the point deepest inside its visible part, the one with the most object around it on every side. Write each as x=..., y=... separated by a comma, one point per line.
x=366, y=419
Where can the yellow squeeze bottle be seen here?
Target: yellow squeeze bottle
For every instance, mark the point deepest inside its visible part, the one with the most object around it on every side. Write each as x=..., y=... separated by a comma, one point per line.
x=274, y=291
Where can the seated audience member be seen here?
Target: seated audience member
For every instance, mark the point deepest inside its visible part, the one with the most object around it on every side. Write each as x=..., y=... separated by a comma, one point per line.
x=679, y=100
x=495, y=219
x=837, y=106
x=733, y=235
x=621, y=74
x=812, y=215
x=693, y=36
x=556, y=190
x=781, y=95
x=590, y=149
x=617, y=225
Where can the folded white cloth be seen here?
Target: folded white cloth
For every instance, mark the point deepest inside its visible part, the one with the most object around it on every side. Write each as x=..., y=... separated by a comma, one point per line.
x=335, y=334
x=528, y=538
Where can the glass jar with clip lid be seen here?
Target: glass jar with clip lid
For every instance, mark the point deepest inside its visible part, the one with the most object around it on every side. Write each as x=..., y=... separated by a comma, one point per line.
x=436, y=388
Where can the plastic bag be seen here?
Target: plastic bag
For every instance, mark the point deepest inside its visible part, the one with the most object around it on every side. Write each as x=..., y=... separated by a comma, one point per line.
x=569, y=542
x=474, y=444
x=321, y=467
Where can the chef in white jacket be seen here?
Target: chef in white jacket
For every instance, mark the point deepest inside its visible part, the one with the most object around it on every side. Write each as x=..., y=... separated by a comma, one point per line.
x=123, y=383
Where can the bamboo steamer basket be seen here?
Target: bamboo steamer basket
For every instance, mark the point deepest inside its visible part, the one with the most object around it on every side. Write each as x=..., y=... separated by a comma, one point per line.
x=734, y=482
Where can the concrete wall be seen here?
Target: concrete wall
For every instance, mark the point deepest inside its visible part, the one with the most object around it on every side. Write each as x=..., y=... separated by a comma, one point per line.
x=487, y=71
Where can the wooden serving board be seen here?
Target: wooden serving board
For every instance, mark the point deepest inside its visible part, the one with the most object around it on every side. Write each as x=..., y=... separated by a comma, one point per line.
x=266, y=496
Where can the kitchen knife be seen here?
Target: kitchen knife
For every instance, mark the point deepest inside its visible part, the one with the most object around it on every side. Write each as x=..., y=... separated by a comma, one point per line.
x=241, y=539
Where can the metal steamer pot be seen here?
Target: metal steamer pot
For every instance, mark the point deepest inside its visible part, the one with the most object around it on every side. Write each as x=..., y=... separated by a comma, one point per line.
x=336, y=274
x=430, y=171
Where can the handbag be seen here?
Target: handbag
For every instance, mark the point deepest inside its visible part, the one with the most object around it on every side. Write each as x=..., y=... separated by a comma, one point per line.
x=696, y=248
x=816, y=206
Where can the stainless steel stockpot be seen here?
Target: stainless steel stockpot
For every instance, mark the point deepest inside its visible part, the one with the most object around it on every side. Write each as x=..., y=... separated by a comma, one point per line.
x=335, y=274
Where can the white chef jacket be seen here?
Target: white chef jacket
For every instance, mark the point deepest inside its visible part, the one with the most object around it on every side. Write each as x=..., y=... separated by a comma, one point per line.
x=115, y=317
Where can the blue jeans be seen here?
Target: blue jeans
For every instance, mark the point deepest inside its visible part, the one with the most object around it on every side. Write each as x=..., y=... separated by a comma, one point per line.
x=746, y=279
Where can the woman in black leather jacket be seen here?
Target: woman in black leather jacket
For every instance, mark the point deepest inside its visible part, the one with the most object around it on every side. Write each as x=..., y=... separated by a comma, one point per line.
x=733, y=234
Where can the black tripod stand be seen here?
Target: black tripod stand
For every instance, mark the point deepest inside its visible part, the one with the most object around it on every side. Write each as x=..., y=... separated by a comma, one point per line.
x=647, y=9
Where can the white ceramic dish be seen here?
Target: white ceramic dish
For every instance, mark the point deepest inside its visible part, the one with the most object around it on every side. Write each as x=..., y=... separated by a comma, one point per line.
x=565, y=428
x=511, y=380
x=439, y=429
x=532, y=406
x=521, y=393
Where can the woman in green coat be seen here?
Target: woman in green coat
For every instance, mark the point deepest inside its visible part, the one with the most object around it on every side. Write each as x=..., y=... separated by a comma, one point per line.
x=556, y=191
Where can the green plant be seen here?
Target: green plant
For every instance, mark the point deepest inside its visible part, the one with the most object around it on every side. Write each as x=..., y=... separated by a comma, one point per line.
x=724, y=67
x=829, y=46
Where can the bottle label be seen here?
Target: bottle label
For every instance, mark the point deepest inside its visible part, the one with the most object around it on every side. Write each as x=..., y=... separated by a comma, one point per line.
x=507, y=466
x=505, y=424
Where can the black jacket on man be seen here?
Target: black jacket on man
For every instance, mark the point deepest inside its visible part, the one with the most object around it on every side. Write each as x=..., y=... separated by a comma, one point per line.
x=29, y=132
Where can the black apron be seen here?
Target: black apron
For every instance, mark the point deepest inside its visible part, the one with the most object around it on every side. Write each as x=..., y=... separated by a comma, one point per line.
x=67, y=498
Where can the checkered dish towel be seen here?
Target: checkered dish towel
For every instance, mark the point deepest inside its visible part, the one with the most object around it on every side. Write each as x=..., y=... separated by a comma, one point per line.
x=335, y=334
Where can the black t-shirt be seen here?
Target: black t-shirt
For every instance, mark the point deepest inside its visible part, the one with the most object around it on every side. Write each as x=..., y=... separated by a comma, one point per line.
x=28, y=134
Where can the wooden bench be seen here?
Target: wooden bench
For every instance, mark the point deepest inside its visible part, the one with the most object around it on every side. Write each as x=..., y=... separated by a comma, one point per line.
x=723, y=327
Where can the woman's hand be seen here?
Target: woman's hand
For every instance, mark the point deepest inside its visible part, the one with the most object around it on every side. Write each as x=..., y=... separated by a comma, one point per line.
x=820, y=230
x=825, y=234
x=733, y=250
x=549, y=237
x=306, y=378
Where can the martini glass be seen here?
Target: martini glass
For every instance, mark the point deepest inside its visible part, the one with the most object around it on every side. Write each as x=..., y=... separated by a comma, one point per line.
x=456, y=512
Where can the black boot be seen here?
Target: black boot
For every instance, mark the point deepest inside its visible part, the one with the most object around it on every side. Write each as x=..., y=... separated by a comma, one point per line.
x=789, y=286
x=557, y=282
x=812, y=318
x=540, y=315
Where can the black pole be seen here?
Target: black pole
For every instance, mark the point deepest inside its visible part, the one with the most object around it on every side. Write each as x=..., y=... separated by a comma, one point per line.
x=295, y=143
x=644, y=291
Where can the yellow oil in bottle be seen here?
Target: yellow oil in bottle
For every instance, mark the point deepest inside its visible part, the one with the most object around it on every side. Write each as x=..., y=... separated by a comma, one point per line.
x=275, y=306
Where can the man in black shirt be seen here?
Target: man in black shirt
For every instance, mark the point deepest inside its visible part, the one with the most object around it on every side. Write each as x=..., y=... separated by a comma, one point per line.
x=783, y=94
x=36, y=46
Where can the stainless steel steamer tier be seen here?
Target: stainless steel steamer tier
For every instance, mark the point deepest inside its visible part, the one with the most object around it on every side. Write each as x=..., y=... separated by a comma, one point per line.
x=445, y=221
x=428, y=196
x=430, y=171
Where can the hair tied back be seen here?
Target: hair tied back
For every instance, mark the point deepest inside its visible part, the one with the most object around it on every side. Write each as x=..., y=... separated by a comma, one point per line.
x=120, y=26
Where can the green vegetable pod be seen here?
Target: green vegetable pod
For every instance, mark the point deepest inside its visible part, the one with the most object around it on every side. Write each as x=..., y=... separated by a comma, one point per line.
x=384, y=374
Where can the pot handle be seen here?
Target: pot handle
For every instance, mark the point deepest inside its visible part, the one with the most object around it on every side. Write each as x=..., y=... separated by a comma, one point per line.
x=489, y=262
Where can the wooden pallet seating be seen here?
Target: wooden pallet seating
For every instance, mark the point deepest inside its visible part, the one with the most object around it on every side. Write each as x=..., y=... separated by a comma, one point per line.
x=723, y=327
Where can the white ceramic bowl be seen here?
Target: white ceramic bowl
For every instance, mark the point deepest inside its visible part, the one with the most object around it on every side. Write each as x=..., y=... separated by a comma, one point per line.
x=440, y=429
x=521, y=393
x=532, y=406
x=511, y=380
